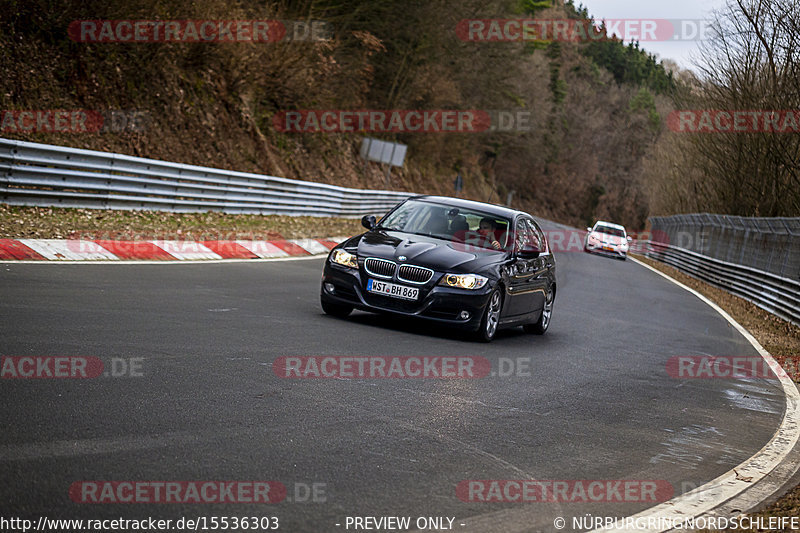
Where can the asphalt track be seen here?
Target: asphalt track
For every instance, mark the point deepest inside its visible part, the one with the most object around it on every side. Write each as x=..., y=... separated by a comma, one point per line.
x=597, y=404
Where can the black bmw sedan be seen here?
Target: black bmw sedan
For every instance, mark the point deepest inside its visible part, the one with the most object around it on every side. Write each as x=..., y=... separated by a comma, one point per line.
x=466, y=264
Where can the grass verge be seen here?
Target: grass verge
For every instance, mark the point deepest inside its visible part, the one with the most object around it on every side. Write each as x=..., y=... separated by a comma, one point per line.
x=19, y=222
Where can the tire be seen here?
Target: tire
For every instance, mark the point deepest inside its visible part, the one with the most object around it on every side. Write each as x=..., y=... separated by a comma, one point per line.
x=340, y=311
x=540, y=327
x=491, y=317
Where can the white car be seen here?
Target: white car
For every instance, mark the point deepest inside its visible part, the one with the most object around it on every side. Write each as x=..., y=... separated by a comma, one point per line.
x=608, y=239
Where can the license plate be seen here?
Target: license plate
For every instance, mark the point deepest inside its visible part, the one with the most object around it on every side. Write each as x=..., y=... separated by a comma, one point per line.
x=608, y=248
x=392, y=289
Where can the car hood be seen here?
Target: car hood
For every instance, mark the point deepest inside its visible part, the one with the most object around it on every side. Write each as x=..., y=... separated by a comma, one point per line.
x=608, y=239
x=424, y=251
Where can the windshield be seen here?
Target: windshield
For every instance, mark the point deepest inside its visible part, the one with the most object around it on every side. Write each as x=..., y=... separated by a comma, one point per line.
x=614, y=232
x=458, y=225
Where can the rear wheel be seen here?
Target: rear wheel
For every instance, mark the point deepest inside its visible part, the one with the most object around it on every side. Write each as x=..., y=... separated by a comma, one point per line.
x=491, y=317
x=337, y=310
x=540, y=327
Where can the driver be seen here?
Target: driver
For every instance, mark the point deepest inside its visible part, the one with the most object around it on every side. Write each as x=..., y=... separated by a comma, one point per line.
x=487, y=229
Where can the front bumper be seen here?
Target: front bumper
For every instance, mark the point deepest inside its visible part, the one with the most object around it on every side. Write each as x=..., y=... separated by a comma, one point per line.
x=609, y=251
x=436, y=303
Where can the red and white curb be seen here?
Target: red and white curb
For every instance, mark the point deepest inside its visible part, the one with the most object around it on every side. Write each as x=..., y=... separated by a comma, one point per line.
x=106, y=250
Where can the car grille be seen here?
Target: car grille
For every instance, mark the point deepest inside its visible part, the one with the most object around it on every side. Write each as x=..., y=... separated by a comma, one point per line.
x=414, y=274
x=380, y=267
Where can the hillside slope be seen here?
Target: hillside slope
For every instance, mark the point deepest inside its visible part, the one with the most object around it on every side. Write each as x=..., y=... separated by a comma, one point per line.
x=213, y=104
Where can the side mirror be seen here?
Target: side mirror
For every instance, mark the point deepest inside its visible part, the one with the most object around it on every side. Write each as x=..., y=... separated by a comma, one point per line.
x=589, y=230
x=630, y=239
x=369, y=221
x=529, y=252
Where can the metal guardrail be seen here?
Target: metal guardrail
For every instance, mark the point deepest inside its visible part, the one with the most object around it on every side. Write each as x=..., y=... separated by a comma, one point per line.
x=775, y=294
x=766, y=244
x=57, y=176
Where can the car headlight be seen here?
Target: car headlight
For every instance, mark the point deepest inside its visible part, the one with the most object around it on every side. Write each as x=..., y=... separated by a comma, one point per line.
x=463, y=281
x=340, y=257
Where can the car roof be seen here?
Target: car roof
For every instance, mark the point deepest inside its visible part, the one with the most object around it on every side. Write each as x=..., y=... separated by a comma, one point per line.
x=609, y=224
x=491, y=209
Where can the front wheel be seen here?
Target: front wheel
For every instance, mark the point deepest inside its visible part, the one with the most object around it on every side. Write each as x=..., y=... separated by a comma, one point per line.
x=336, y=310
x=491, y=317
x=540, y=327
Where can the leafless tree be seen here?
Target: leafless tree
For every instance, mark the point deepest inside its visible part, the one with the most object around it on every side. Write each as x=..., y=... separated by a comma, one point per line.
x=750, y=63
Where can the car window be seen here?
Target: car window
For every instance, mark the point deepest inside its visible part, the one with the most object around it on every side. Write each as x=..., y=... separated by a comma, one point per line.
x=458, y=225
x=526, y=237
x=399, y=218
x=539, y=240
x=614, y=232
